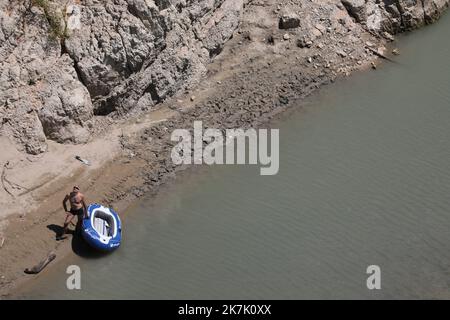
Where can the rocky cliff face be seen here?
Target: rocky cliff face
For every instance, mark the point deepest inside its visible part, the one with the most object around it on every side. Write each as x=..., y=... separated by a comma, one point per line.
x=134, y=53
x=394, y=16
x=65, y=64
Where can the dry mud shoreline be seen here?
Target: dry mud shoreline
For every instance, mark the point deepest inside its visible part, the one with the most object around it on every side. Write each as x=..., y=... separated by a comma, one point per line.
x=264, y=69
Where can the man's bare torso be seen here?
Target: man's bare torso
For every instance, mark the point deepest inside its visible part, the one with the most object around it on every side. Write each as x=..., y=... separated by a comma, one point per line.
x=76, y=200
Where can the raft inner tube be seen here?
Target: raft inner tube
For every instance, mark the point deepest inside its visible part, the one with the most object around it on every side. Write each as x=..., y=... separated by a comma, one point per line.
x=102, y=228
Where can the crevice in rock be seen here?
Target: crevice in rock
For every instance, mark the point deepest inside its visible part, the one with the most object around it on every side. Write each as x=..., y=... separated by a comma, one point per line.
x=349, y=10
x=159, y=41
x=148, y=62
x=63, y=47
x=153, y=93
x=162, y=4
x=159, y=20
x=179, y=7
x=75, y=65
x=216, y=51
x=79, y=75
x=425, y=17
x=402, y=21
x=129, y=69
x=103, y=107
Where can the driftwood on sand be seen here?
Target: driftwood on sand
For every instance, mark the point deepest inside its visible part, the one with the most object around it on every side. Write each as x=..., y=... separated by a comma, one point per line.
x=3, y=179
x=379, y=54
x=11, y=184
x=41, y=265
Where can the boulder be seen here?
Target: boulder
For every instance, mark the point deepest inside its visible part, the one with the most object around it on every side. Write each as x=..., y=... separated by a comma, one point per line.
x=304, y=42
x=289, y=21
x=394, y=16
x=32, y=134
x=66, y=114
x=356, y=9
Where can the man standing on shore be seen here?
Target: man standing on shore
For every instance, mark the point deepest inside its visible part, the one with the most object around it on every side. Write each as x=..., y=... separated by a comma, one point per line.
x=77, y=208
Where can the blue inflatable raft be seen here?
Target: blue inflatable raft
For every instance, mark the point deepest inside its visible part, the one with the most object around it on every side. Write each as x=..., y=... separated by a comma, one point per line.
x=102, y=228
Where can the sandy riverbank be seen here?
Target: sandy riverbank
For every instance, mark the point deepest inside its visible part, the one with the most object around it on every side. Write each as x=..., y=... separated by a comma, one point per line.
x=260, y=73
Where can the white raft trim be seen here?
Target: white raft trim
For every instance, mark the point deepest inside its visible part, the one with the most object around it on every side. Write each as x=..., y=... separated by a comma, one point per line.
x=100, y=226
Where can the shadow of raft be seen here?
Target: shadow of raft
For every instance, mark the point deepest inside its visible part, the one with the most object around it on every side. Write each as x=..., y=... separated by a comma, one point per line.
x=82, y=249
